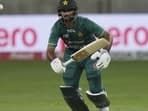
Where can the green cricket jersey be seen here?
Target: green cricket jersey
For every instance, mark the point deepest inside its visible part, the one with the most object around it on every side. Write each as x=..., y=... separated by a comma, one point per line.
x=82, y=33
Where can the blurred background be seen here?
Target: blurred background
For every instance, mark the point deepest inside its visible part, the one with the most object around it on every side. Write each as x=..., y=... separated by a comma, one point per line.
x=125, y=20
x=87, y=6
x=27, y=82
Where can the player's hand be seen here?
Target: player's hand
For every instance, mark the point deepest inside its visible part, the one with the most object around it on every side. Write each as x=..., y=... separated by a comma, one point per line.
x=103, y=59
x=96, y=55
x=57, y=66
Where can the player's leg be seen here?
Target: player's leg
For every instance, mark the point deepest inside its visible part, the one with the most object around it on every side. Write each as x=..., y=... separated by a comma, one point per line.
x=70, y=91
x=99, y=99
x=73, y=71
x=96, y=91
x=73, y=98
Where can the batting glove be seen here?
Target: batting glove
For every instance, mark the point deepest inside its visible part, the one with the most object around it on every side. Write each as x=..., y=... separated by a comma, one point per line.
x=57, y=66
x=103, y=59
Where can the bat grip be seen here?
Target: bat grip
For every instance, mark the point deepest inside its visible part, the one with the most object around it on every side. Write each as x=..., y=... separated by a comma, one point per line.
x=68, y=62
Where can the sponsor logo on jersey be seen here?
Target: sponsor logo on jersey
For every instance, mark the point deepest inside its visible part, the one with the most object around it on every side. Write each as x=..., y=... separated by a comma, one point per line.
x=71, y=30
x=65, y=36
x=80, y=34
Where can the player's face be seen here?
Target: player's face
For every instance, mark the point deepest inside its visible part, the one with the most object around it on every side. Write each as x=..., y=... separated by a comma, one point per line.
x=68, y=16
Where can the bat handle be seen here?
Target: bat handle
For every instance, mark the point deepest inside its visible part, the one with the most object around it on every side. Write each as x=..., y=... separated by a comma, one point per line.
x=68, y=62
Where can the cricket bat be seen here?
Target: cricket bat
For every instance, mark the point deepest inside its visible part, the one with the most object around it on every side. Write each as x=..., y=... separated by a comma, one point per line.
x=87, y=50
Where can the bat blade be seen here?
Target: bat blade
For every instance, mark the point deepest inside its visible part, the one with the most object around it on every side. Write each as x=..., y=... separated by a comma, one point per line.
x=89, y=49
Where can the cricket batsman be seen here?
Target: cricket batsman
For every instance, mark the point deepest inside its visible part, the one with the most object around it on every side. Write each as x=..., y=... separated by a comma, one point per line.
x=76, y=32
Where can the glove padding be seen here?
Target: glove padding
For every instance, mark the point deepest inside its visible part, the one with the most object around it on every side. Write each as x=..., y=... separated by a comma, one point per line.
x=103, y=59
x=57, y=66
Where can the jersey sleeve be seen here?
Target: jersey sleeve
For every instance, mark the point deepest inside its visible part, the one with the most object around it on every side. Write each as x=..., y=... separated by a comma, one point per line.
x=93, y=28
x=54, y=36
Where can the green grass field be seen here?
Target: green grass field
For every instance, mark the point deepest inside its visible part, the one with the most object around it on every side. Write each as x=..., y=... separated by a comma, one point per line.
x=32, y=86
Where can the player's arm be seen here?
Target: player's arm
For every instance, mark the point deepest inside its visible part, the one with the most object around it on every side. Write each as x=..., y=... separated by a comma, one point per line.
x=55, y=62
x=107, y=36
x=52, y=42
x=97, y=31
x=51, y=53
